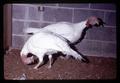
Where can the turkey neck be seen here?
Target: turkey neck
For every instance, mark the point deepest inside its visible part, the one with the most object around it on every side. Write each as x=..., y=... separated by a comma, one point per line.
x=79, y=27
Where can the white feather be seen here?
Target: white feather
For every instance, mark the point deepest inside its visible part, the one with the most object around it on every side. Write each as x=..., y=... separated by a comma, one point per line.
x=70, y=31
x=31, y=30
x=45, y=42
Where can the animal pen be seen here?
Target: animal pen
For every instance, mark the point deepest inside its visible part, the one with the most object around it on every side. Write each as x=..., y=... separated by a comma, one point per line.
x=98, y=44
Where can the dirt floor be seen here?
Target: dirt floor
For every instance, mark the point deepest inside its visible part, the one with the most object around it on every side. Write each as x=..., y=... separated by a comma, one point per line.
x=97, y=68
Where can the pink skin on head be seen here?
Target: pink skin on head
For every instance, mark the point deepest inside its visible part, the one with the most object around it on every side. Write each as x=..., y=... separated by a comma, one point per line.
x=27, y=60
x=92, y=21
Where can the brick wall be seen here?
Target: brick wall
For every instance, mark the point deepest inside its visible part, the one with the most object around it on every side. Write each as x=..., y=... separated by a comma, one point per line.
x=98, y=41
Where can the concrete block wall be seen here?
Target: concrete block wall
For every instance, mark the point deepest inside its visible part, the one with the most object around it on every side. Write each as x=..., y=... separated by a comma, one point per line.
x=99, y=41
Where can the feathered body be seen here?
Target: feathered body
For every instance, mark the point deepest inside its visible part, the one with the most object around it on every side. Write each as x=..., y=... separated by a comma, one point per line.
x=71, y=31
x=56, y=37
x=46, y=43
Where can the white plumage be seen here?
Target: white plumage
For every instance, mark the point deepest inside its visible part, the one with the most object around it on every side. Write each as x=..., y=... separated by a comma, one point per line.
x=46, y=42
x=70, y=31
x=54, y=38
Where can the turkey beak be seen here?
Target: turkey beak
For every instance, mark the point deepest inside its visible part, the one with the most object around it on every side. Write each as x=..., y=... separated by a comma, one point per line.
x=32, y=59
x=99, y=22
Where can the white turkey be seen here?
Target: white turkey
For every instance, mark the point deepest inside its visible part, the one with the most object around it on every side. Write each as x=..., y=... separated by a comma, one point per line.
x=46, y=43
x=71, y=31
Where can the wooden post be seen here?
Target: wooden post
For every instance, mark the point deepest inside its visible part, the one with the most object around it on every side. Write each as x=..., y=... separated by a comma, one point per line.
x=7, y=33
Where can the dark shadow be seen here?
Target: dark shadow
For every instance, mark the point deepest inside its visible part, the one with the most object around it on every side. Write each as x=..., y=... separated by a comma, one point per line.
x=55, y=56
x=82, y=36
x=45, y=58
x=84, y=58
x=35, y=59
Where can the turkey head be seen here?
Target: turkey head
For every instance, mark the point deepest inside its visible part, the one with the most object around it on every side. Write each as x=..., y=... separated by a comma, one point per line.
x=94, y=21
